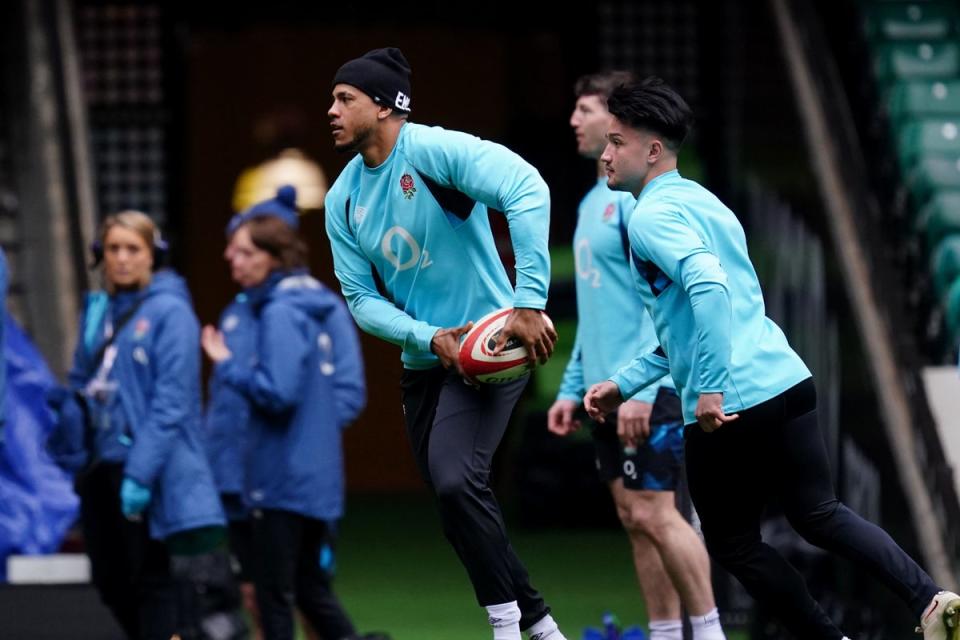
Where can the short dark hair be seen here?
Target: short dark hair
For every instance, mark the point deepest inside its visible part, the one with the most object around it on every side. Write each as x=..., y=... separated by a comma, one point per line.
x=602, y=83
x=273, y=235
x=653, y=105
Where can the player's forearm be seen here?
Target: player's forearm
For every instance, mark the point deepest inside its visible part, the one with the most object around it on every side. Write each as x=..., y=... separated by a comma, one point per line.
x=382, y=319
x=647, y=394
x=705, y=282
x=572, y=387
x=712, y=314
x=527, y=207
x=641, y=372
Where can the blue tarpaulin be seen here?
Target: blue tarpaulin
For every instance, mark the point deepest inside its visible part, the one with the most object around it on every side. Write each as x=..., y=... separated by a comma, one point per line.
x=37, y=502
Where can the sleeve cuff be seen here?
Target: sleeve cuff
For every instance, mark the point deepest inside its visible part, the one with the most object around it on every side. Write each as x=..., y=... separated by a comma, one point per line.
x=647, y=394
x=716, y=384
x=132, y=469
x=423, y=337
x=231, y=373
x=620, y=381
x=529, y=300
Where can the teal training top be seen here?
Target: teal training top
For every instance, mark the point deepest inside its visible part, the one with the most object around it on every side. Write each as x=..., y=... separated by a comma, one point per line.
x=411, y=239
x=689, y=255
x=613, y=326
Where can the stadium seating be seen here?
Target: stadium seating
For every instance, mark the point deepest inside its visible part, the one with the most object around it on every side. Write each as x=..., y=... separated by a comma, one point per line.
x=916, y=99
x=953, y=308
x=893, y=21
x=932, y=174
x=945, y=264
x=928, y=136
x=915, y=54
x=941, y=217
x=901, y=61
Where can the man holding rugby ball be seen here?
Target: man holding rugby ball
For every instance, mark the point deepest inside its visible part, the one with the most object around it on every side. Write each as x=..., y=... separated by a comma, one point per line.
x=406, y=215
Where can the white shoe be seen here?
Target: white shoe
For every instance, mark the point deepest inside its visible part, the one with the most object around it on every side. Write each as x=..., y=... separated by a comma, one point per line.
x=941, y=620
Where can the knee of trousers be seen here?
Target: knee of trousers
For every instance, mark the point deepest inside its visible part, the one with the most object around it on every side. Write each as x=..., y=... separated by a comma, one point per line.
x=816, y=524
x=212, y=578
x=732, y=550
x=453, y=486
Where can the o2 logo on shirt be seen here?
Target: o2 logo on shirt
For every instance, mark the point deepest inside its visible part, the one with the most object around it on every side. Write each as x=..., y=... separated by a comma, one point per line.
x=408, y=255
x=583, y=258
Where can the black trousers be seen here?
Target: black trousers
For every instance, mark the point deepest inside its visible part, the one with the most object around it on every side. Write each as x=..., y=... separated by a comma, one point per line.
x=776, y=450
x=130, y=570
x=454, y=430
x=292, y=566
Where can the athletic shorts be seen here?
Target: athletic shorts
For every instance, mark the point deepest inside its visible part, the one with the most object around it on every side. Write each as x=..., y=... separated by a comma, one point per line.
x=657, y=463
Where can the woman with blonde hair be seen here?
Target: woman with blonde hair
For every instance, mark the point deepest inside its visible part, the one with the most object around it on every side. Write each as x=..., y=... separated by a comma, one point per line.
x=129, y=427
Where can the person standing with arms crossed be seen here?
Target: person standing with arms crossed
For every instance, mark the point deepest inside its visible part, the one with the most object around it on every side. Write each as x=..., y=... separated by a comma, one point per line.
x=749, y=401
x=639, y=447
x=417, y=262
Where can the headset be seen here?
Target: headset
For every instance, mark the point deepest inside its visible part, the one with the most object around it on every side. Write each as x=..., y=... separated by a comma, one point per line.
x=161, y=251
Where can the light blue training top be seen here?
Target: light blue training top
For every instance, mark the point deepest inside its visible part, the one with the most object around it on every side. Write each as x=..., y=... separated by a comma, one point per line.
x=693, y=271
x=613, y=326
x=411, y=239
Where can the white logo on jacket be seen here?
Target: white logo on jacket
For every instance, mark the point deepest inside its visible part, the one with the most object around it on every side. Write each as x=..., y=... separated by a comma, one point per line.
x=140, y=355
x=325, y=344
x=230, y=323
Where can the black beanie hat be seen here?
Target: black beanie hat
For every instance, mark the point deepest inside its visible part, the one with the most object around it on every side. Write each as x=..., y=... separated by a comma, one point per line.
x=382, y=74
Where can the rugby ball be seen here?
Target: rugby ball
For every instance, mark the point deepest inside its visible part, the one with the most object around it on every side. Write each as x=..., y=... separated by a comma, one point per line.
x=477, y=359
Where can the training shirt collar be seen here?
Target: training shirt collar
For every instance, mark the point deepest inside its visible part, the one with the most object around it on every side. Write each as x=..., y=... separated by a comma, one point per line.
x=662, y=179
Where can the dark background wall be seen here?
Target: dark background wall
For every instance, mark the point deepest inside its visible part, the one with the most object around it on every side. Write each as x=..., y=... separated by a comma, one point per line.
x=513, y=87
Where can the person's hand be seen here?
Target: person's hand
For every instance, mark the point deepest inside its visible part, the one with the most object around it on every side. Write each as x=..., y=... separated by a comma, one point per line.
x=446, y=345
x=134, y=498
x=560, y=418
x=214, y=345
x=709, y=413
x=633, y=422
x=601, y=399
x=533, y=329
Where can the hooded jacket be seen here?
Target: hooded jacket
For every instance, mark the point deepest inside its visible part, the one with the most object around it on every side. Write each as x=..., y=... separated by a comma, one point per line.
x=142, y=402
x=306, y=386
x=228, y=410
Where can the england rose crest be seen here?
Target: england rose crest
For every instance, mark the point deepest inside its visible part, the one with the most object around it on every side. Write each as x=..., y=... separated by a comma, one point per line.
x=406, y=185
x=608, y=212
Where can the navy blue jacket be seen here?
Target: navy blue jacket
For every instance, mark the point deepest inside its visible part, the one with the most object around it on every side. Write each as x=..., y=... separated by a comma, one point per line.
x=228, y=410
x=143, y=402
x=306, y=386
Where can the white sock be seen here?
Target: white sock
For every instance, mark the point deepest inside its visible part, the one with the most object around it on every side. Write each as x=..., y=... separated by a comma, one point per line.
x=505, y=620
x=707, y=626
x=666, y=630
x=545, y=629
